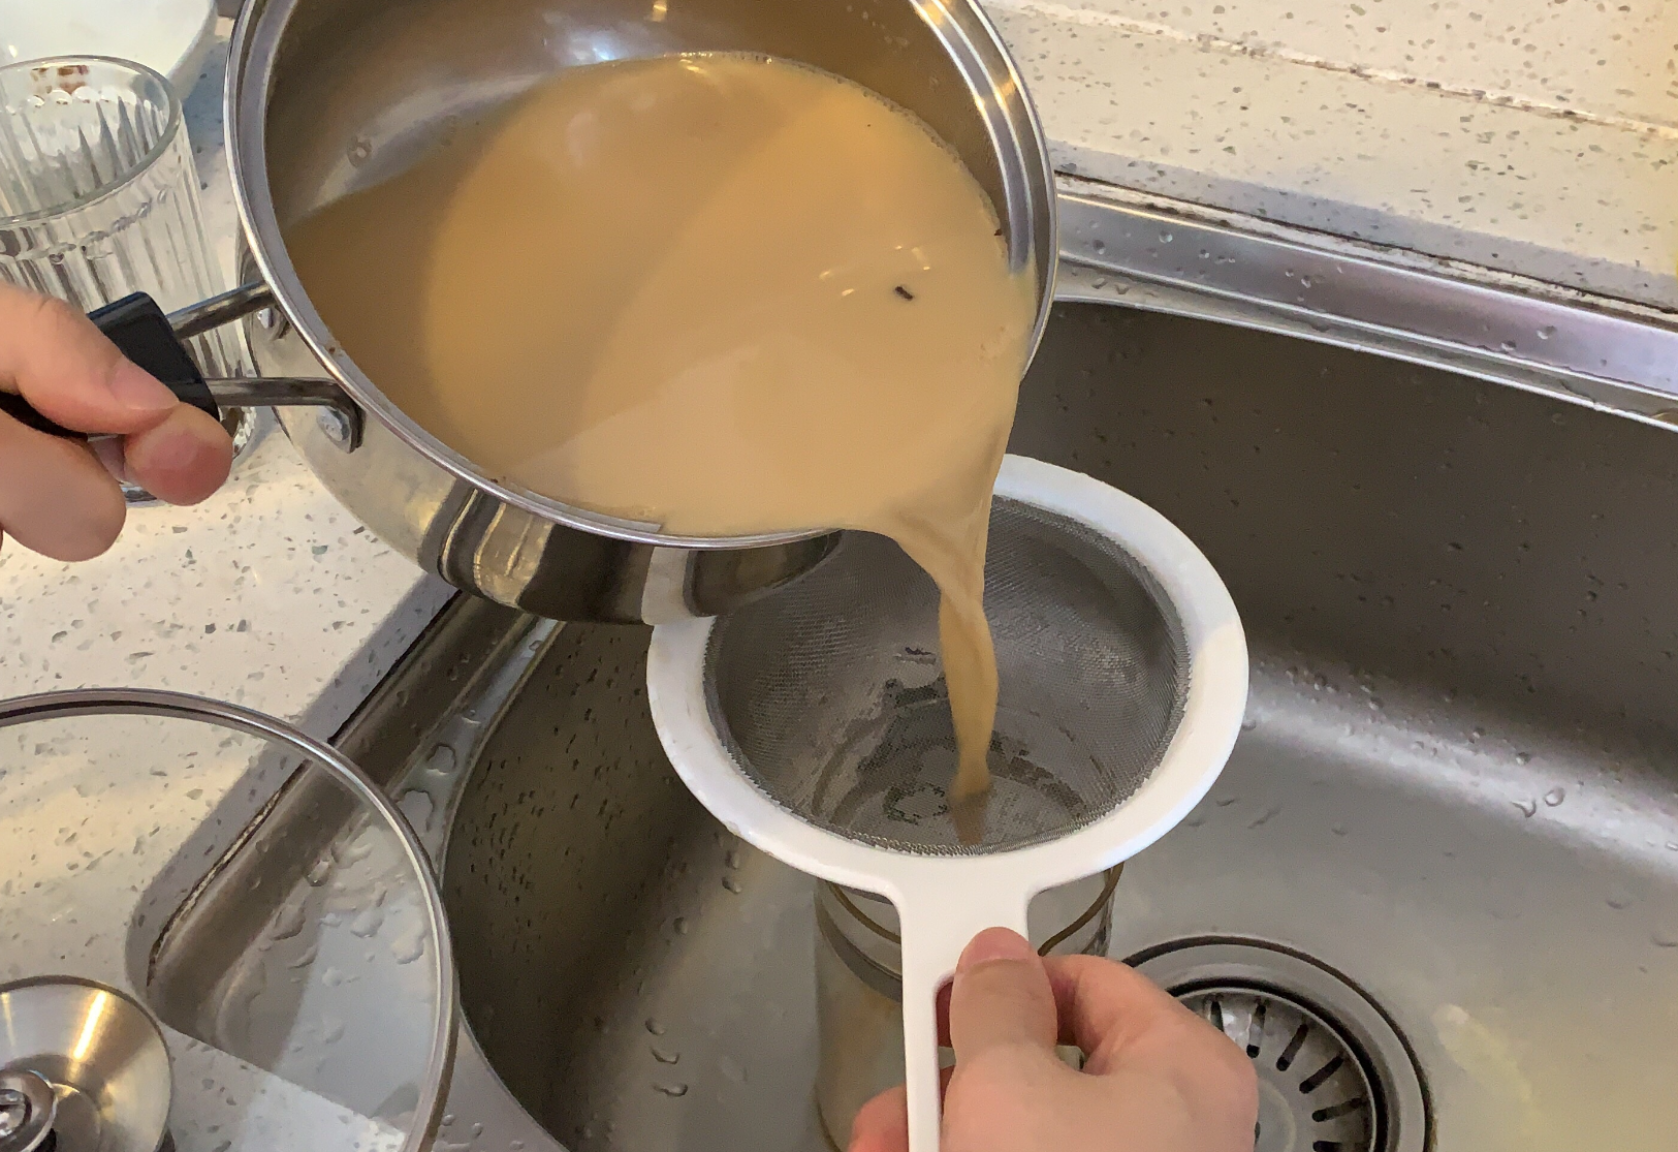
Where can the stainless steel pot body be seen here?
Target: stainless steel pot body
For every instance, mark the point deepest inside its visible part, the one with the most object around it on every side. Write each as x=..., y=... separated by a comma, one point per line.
x=327, y=96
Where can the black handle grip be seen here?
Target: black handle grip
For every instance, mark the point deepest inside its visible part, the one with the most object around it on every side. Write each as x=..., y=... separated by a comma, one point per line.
x=138, y=326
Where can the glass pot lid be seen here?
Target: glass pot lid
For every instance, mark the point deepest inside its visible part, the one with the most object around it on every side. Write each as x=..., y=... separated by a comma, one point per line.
x=253, y=892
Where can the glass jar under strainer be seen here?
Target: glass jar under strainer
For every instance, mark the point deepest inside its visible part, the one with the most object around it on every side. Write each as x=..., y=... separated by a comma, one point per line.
x=251, y=889
x=859, y=984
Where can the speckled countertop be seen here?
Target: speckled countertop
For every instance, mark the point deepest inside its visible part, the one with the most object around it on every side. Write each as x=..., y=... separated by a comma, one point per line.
x=1530, y=136
x=269, y=595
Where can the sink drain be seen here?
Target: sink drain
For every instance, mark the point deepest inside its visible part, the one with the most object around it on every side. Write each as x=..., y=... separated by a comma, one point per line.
x=1334, y=1074
x=1313, y=1090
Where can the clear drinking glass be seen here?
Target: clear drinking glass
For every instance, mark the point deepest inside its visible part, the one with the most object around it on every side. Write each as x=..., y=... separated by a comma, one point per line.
x=99, y=194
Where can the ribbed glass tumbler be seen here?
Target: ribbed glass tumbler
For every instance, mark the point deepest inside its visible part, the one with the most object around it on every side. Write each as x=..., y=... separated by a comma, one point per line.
x=99, y=194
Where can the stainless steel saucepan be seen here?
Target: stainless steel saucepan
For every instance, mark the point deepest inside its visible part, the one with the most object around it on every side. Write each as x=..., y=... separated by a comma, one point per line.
x=327, y=96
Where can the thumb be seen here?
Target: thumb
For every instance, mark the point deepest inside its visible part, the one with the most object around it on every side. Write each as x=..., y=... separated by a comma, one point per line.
x=1001, y=996
x=65, y=367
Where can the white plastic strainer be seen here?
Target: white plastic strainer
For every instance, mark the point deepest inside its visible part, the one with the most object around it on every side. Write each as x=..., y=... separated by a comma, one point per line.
x=814, y=722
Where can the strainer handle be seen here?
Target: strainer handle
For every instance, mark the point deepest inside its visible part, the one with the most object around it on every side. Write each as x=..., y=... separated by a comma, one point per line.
x=936, y=926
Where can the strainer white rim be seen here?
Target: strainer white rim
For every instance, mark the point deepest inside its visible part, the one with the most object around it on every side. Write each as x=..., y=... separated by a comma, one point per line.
x=943, y=901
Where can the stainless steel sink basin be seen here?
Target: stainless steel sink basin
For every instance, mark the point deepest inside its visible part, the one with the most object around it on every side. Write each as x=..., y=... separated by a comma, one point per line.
x=1445, y=852
x=1456, y=790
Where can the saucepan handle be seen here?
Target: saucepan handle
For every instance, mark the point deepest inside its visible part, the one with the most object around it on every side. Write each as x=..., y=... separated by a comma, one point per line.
x=153, y=340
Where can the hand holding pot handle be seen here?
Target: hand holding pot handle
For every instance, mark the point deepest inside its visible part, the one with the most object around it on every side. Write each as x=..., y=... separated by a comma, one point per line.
x=138, y=327
x=84, y=404
x=60, y=496
x=152, y=340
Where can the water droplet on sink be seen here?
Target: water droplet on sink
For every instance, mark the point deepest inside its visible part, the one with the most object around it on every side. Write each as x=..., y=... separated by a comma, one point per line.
x=732, y=859
x=289, y=921
x=666, y=1055
x=682, y=926
x=1529, y=808
x=360, y=149
x=367, y=924
x=1547, y=331
x=1618, y=899
x=418, y=807
x=732, y=885
x=355, y=851
x=1099, y=282
x=443, y=760
x=671, y=1089
x=1664, y=938
x=654, y=1026
x=1523, y=757
x=321, y=872
x=1555, y=796
x=406, y=949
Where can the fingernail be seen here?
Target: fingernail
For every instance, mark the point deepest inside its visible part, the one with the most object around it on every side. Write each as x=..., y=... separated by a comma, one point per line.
x=138, y=389
x=995, y=944
x=109, y=452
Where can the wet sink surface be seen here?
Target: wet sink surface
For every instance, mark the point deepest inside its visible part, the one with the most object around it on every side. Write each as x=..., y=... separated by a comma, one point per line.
x=1455, y=788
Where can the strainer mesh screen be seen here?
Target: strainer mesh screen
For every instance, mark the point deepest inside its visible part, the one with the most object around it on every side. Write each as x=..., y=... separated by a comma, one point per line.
x=831, y=697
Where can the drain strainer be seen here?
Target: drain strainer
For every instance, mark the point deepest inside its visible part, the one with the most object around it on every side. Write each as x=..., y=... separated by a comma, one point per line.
x=1313, y=1091
x=1334, y=1074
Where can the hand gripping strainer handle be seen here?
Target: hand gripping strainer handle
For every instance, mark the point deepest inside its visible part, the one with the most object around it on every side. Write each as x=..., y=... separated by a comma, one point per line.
x=935, y=924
